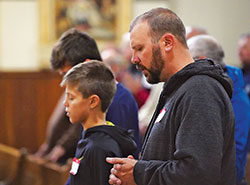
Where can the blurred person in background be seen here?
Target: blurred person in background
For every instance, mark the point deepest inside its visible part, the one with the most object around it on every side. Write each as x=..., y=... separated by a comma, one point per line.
x=127, y=106
x=113, y=57
x=147, y=110
x=195, y=30
x=133, y=79
x=205, y=46
x=61, y=136
x=244, y=56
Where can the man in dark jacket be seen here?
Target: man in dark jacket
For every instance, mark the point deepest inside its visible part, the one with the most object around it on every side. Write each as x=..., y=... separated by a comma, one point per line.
x=190, y=139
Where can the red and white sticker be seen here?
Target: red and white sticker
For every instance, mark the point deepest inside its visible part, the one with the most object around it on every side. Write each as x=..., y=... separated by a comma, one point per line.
x=160, y=116
x=75, y=166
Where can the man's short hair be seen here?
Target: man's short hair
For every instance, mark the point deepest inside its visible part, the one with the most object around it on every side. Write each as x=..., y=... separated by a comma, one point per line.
x=73, y=47
x=92, y=77
x=161, y=21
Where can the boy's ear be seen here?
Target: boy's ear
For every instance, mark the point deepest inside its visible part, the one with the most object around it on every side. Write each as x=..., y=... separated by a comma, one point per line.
x=94, y=101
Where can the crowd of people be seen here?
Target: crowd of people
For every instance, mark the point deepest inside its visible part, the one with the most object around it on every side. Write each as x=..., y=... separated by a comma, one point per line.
x=162, y=108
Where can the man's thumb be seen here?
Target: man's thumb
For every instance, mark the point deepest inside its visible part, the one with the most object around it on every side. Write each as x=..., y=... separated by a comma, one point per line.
x=131, y=157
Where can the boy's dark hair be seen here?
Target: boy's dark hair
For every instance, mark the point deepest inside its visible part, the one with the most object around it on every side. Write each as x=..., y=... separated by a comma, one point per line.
x=92, y=77
x=161, y=21
x=73, y=47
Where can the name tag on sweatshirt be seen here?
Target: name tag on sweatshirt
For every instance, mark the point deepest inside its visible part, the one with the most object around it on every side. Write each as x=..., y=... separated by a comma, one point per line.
x=160, y=116
x=75, y=166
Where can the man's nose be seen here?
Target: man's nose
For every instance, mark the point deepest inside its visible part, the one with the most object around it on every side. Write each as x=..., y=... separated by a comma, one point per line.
x=134, y=59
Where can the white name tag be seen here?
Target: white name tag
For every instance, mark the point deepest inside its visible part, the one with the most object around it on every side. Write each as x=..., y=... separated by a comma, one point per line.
x=75, y=166
x=160, y=116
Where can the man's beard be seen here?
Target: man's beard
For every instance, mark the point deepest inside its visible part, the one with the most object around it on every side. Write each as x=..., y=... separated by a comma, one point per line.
x=156, y=66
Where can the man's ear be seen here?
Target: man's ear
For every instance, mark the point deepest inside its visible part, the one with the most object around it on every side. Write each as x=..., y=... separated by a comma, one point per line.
x=168, y=41
x=94, y=101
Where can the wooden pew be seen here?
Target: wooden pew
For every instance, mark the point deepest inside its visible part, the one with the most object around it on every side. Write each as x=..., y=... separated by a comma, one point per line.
x=17, y=167
x=38, y=171
x=29, y=172
x=10, y=159
x=27, y=101
x=53, y=174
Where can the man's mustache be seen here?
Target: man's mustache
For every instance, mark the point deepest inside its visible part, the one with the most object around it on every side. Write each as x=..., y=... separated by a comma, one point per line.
x=140, y=67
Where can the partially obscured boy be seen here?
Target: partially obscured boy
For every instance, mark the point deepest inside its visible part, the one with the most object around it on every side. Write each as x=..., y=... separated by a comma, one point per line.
x=90, y=88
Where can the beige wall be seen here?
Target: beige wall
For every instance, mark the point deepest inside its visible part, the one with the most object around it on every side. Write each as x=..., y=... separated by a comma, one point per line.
x=140, y=7
x=20, y=48
x=224, y=19
x=18, y=35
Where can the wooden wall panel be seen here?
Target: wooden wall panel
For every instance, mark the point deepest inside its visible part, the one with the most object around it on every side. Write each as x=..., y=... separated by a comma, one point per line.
x=26, y=101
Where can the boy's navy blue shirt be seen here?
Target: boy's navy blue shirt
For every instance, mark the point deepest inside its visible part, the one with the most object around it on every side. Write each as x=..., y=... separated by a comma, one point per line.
x=96, y=144
x=123, y=112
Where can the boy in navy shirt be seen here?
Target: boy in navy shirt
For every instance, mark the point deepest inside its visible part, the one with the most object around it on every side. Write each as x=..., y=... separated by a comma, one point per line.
x=90, y=88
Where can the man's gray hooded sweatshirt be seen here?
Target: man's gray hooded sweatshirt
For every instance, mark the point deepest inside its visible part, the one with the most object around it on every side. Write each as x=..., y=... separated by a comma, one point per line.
x=190, y=139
